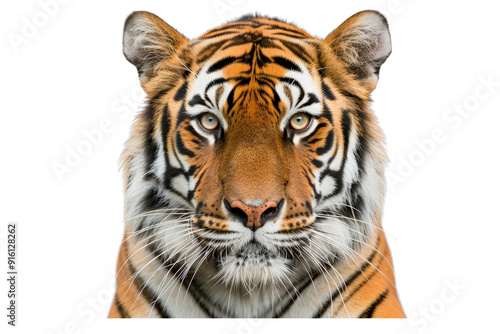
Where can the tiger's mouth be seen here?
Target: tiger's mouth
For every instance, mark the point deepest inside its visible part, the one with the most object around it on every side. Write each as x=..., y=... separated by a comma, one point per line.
x=254, y=253
x=252, y=264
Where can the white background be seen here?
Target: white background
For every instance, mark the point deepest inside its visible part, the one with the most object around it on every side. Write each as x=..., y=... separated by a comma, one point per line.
x=69, y=75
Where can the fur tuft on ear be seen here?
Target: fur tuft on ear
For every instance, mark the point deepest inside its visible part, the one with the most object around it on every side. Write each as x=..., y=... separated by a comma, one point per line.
x=362, y=43
x=147, y=40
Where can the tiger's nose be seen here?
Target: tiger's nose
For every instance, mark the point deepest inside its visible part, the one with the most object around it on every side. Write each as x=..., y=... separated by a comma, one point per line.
x=254, y=217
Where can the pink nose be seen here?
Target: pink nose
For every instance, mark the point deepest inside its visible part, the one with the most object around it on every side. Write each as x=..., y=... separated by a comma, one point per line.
x=255, y=214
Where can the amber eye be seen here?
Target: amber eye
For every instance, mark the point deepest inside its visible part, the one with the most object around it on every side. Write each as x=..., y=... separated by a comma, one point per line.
x=209, y=121
x=300, y=121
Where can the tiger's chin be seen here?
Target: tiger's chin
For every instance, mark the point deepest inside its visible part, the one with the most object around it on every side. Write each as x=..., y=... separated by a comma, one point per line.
x=252, y=266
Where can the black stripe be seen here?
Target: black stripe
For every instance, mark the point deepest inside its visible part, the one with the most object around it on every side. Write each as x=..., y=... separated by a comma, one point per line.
x=353, y=277
x=152, y=200
x=147, y=293
x=328, y=144
x=221, y=64
x=225, y=28
x=181, y=147
x=312, y=134
x=368, y=312
x=246, y=39
x=159, y=95
x=151, y=297
x=347, y=282
x=123, y=312
x=197, y=99
x=311, y=99
x=190, y=193
x=288, y=35
x=315, y=140
x=151, y=147
x=356, y=100
x=230, y=100
x=285, y=63
x=326, y=305
x=208, y=51
x=327, y=113
x=194, y=289
x=327, y=92
x=165, y=129
x=317, y=163
x=292, y=301
x=220, y=81
x=297, y=50
x=346, y=131
x=374, y=272
x=293, y=82
x=181, y=92
x=299, y=34
x=195, y=133
x=232, y=32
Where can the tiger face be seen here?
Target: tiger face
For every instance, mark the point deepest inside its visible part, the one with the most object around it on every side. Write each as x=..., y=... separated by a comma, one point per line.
x=257, y=160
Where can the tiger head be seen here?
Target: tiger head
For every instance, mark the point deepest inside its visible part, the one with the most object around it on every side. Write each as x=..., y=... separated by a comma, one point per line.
x=257, y=158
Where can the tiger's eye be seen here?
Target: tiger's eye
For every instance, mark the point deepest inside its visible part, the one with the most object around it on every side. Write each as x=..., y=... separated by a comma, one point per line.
x=209, y=121
x=299, y=121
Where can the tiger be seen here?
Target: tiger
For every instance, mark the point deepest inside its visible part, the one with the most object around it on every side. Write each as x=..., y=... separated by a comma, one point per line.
x=254, y=175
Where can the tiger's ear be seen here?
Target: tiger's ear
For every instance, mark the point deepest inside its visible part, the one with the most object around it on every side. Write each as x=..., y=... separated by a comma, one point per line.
x=148, y=40
x=362, y=43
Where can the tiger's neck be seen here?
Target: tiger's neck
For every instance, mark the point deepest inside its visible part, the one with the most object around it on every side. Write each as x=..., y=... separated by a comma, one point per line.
x=148, y=285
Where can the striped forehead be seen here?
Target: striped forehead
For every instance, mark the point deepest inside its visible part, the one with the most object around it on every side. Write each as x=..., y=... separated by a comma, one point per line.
x=279, y=79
